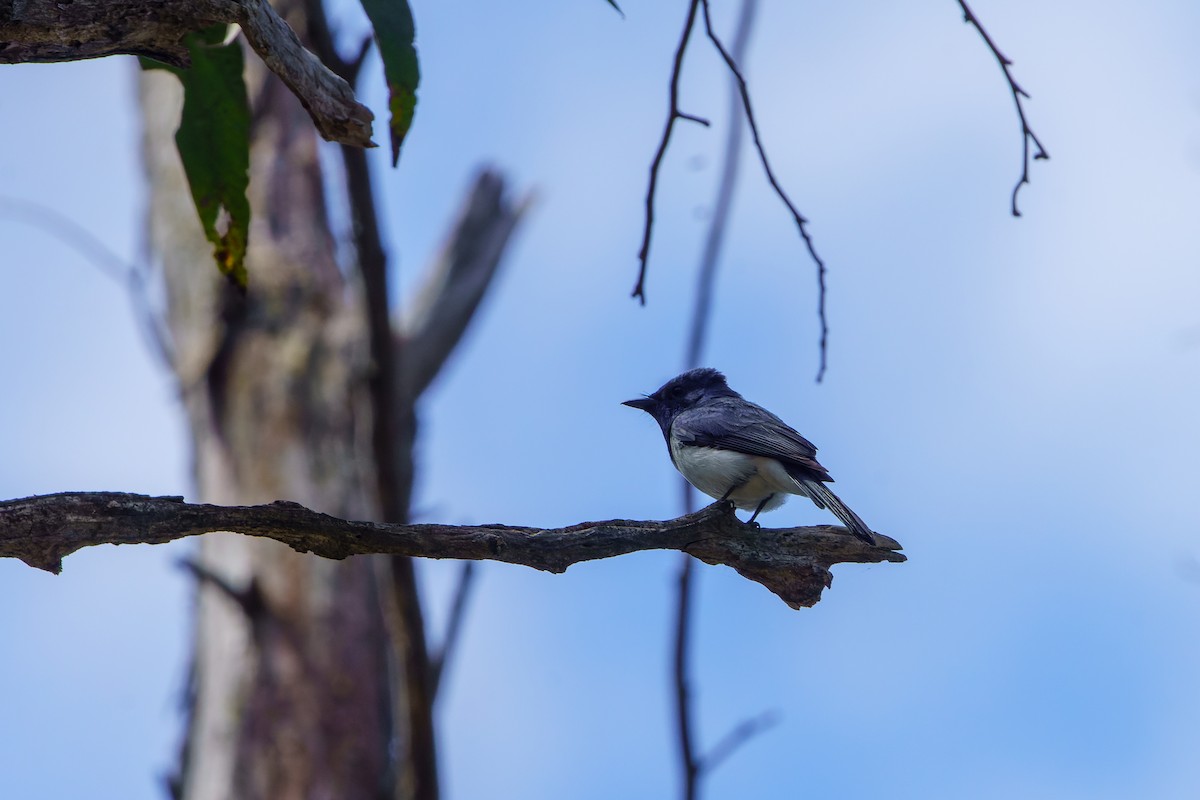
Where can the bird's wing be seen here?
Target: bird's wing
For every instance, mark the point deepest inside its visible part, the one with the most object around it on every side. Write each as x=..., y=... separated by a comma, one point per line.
x=737, y=424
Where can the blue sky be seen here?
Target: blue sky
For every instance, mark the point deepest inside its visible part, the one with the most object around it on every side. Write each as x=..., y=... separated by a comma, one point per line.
x=1013, y=400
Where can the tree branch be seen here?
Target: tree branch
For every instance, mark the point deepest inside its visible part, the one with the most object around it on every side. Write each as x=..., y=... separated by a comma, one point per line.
x=744, y=732
x=392, y=438
x=680, y=677
x=249, y=599
x=1027, y=134
x=458, y=610
x=133, y=277
x=799, y=218
x=47, y=30
x=693, y=766
x=673, y=113
x=457, y=282
x=792, y=562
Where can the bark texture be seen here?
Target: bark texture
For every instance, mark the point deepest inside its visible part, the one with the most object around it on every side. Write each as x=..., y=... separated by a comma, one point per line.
x=792, y=562
x=311, y=677
x=52, y=30
x=290, y=693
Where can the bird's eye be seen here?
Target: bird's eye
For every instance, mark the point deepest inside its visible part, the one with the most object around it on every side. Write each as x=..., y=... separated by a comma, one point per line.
x=676, y=392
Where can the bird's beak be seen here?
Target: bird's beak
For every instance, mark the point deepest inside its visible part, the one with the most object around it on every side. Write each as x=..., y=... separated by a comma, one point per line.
x=644, y=403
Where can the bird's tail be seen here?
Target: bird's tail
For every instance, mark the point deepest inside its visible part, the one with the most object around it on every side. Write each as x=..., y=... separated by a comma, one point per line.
x=822, y=496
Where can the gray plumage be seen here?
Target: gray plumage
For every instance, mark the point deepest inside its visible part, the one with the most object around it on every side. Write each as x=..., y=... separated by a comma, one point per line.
x=732, y=449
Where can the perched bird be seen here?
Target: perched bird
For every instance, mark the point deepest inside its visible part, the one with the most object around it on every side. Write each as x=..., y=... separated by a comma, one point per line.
x=735, y=450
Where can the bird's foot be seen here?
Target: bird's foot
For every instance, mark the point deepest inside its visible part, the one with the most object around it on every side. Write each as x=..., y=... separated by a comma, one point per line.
x=758, y=511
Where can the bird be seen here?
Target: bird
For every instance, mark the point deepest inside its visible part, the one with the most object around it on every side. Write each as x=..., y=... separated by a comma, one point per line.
x=737, y=451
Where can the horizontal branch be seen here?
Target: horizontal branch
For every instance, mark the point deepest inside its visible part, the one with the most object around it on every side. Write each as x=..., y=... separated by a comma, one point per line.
x=37, y=31
x=792, y=562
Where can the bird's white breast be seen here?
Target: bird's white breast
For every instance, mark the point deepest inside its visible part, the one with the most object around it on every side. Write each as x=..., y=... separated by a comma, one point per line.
x=752, y=478
x=710, y=470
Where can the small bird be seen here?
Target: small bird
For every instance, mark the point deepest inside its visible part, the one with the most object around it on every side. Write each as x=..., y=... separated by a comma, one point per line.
x=735, y=450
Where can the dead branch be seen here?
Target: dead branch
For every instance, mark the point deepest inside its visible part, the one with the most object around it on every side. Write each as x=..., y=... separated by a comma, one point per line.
x=1027, y=134
x=695, y=766
x=455, y=284
x=800, y=220
x=458, y=610
x=46, y=30
x=743, y=732
x=792, y=562
x=673, y=113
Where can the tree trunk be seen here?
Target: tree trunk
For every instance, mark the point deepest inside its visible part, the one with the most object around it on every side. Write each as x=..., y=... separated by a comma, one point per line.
x=310, y=678
x=290, y=690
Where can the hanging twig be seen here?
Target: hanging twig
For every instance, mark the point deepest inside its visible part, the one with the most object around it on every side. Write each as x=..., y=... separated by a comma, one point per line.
x=800, y=219
x=1027, y=134
x=673, y=113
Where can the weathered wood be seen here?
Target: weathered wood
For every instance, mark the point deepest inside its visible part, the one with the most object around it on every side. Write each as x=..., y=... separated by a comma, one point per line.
x=792, y=562
x=47, y=30
x=288, y=694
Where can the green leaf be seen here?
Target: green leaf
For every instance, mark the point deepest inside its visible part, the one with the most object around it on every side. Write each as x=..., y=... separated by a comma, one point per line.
x=214, y=144
x=394, y=33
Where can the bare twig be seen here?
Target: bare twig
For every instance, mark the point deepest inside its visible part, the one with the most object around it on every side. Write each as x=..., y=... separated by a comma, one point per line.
x=454, y=286
x=444, y=307
x=683, y=688
x=322, y=44
x=354, y=65
x=419, y=777
x=372, y=264
x=692, y=765
x=329, y=99
x=673, y=114
x=742, y=733
x=249, y=599
x=693, y=118
x=133, y=277
x=71, y=233
x=403, y=367
x=731, y=161
x=800, y=219
x=792, y=562
x=393, y=432
x=1027, y=134
x=458, y=609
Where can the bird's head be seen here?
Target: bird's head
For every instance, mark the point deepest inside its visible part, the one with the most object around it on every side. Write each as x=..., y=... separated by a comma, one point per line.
x=682, y=392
